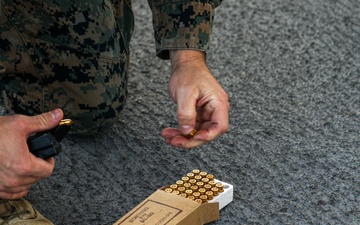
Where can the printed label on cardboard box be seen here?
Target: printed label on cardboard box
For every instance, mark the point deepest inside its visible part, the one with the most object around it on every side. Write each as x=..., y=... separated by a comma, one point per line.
x=152, y=212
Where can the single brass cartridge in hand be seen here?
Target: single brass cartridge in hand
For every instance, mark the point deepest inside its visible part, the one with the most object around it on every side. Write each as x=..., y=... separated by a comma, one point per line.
x=191, y=134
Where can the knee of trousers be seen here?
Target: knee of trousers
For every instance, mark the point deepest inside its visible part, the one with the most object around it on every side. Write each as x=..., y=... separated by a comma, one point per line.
x=93, y=100
x=89, y=88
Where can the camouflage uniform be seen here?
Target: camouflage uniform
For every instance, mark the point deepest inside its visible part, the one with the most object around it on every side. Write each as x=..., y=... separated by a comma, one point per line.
x=75, y=54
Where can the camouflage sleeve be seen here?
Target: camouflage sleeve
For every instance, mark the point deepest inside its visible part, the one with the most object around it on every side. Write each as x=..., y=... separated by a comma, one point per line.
x=182, y=24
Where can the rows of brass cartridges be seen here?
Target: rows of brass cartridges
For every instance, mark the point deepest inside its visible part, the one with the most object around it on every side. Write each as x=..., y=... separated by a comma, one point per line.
x=198, y=186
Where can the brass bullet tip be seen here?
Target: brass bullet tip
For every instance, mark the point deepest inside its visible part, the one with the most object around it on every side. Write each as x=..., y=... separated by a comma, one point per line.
x=191, y=134
x=66, y=122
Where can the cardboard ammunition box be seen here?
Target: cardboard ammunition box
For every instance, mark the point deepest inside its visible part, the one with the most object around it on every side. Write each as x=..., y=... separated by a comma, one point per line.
x=162, y=208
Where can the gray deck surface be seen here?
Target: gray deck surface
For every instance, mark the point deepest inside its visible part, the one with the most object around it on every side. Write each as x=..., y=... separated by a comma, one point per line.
x=291, y=69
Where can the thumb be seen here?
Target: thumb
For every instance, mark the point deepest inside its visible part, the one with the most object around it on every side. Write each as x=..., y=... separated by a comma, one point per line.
x=186, y=114
x=44, y=121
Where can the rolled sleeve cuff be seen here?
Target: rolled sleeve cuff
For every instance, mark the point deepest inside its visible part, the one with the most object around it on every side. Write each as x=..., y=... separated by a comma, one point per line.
x=182, y=25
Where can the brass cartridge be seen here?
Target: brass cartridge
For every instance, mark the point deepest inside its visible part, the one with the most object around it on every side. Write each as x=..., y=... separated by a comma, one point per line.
x=196, y=172
x=189, y=192
x=174, y=187
x=205, y=180
x=184, y=195
x=180, y=183
x=181, y=189
x=199, y=201
x=204, y=198
x=198, y=178
x=212, y=183
x=202, y=191
x=192, y=181
x=66, y=122
x=207, y=187
x=215, y=191
x=210, y=177
x=194, y=188
x=220, y=186
x=210, y=195
x=187, y=185
x=191, y=134
x=200, y=184
x=190, y=175
x=203, y=174
x=185, y=179
x=196, y=194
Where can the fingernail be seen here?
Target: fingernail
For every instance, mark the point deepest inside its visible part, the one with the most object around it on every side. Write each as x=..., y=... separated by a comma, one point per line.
x=185, y=129
x=56, y=114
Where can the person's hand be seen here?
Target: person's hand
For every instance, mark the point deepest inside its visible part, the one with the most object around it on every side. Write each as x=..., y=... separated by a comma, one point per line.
x=19, y=168
x=202, y=103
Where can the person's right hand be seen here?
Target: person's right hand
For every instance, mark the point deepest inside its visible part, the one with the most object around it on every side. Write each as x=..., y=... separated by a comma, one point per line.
x=19, y=168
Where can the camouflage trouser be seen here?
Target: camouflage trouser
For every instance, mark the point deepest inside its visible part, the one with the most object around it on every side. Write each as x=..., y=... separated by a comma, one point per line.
x=38, y=75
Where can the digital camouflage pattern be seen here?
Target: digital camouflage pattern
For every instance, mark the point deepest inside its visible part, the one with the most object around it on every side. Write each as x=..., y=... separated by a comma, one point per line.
x=182, y=24
x=75, y=54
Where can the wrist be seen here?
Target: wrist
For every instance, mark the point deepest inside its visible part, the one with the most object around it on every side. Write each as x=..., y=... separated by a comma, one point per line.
x=186, y=56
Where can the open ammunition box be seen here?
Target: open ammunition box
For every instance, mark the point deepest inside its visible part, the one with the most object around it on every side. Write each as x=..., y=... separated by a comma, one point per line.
x=181, y=204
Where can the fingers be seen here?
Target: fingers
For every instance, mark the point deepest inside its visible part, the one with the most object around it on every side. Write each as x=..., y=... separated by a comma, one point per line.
x=17, y=187
x=212, y=121
x=19, y=168
x=175, y=138
x=8, y=196
x=218, y=121
x=42, y=168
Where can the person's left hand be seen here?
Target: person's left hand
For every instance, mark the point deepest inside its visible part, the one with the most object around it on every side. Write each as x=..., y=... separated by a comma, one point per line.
x=202, y=103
